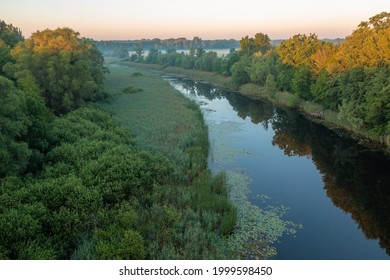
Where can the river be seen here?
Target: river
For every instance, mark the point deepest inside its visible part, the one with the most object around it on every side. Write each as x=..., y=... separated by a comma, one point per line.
x=335, y=190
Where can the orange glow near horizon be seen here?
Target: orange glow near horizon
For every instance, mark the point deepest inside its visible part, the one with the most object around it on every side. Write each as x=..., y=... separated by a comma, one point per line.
x=218, y=19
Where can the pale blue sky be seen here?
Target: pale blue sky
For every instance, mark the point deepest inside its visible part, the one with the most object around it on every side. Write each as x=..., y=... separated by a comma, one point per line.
x=208, y=19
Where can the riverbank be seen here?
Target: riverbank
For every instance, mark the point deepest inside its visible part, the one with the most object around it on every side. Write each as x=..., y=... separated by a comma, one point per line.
x=190, y=216
x=311, y=110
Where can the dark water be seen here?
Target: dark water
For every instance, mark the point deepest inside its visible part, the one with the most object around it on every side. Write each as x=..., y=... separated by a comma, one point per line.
x=338, y=190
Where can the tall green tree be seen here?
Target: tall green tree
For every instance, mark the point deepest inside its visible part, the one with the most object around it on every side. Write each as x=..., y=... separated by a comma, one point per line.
x=10, y=34
x=67, y=69
x=260, y=43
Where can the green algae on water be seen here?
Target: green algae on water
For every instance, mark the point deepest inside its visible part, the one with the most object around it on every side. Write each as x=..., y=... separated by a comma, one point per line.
x=258, y=229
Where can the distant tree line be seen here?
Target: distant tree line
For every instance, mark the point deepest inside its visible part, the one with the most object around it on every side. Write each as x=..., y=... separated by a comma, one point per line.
x=350, y=77
x=119, y=46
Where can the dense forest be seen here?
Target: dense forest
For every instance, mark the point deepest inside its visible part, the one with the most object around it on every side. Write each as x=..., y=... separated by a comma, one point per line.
x=73, y=184
x=346, y=81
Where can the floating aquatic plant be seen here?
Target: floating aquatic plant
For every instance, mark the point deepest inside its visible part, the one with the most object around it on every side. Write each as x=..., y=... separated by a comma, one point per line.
x=257, y=228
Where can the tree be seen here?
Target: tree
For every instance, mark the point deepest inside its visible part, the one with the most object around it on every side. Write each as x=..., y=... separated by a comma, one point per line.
x=25, y=127
x=9, y=34
x=68, y=70
x=301, y=83
x=240, y=72
x=5, y=55
x=152, y=56
x=139, y=51
x=14, y=153
x=121, y=52
x=270, y=85
x=298, y=51
x=368, y=45
x=261, y=43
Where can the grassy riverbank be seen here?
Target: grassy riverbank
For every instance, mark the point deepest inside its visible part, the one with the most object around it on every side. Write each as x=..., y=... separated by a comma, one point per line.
x=328, y=117
x=189, y=215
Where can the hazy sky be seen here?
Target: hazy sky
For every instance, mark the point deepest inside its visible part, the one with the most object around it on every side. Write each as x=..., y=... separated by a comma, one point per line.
x=208, y=19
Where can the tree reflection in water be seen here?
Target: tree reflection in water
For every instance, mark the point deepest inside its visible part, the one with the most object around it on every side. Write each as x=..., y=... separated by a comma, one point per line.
x=355, y=178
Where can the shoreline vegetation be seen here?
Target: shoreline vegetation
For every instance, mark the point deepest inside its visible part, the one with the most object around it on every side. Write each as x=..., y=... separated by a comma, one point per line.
x=343, y=85
x=311, y=110
x=161, y=123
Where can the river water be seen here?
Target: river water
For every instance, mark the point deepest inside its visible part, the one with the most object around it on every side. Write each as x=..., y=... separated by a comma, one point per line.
x=338, y=190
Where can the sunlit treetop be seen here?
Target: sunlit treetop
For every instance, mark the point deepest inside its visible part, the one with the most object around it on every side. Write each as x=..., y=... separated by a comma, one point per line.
x=298, y=50
x=368, y=45
x=378, y=22
x=55, y=41
x=260, y=43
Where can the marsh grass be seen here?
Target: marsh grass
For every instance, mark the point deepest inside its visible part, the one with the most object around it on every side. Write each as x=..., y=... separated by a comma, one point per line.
x=311, y=107
x=187, y=217
x=287, y=99
x=160, y=118
x=131, y=89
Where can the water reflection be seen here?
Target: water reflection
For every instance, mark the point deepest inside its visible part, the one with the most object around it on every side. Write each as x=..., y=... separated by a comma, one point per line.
x=356, y=179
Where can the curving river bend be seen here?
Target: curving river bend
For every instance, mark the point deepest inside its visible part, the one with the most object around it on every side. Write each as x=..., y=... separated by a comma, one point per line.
x=336, y=189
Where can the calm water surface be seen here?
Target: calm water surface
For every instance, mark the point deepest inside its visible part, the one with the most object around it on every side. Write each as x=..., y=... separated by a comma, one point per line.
x=338, y=190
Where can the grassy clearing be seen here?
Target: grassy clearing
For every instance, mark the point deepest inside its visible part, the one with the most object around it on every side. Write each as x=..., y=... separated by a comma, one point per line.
x=187, y=217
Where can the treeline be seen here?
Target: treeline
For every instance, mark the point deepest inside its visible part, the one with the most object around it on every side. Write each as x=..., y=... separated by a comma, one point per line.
x=72, y=182
x=351, y=79
x=117, y=46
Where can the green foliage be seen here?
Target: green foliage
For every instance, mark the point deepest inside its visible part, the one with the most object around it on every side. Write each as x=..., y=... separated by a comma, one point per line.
x=298, y=50
x=208, y=61
x=211, y=195
x=313, y=70
x=365, y=99
x=152, y=56
x=10, y=34
x=67, y=71
x=131, y=89
x=184, y=217
x=121, y=52
x=374, y=35
x=301, y=83
x=122, y=173
x=119, y=244
x=139, y=52
x=270, y=85
x=260, y=43
x=24, y=127
x=240, y=72
x=5, y=55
